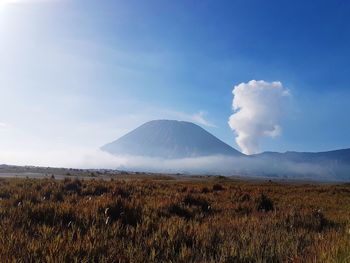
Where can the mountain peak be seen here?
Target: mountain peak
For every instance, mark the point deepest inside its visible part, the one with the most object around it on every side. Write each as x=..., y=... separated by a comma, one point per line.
x=169, y=139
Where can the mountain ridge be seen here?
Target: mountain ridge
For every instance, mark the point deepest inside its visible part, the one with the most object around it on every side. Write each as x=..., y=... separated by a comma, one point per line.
x=338, y=154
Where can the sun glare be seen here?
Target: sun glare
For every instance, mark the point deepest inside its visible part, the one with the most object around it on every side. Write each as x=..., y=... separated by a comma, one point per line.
x=3, y=3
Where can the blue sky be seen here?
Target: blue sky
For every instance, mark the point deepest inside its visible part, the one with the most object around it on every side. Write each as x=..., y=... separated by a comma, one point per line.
x=81, y=73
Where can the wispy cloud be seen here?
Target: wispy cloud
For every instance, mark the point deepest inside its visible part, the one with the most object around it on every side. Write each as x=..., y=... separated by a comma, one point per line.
x=199, y=117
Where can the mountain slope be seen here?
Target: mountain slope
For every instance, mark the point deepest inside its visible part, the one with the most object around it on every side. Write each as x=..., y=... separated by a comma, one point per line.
x=169, y=139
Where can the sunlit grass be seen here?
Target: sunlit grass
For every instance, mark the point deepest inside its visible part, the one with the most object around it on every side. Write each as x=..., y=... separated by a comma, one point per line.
x=156, y=220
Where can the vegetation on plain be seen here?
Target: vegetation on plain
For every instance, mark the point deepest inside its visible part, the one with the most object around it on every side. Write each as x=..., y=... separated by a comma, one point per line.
x=160, y=219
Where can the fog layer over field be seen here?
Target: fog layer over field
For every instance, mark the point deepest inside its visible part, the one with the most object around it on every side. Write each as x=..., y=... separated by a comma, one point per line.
x=210, y=165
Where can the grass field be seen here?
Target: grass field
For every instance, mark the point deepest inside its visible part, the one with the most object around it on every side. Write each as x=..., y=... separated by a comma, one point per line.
x=159, y=219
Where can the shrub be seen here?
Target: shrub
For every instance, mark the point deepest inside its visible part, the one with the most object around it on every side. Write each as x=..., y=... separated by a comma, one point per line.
x=218, y=187
x=311, y=221
x=205, y=190
x=95, y=190
x=47, y=194
x=5, y=195
x=183, y=189
x=49, y=215
x=196, y=201
x=128, y=214
x=178, y=210
x=74, y=187
x=264, y=204
x=123, y=193
x=58, y=197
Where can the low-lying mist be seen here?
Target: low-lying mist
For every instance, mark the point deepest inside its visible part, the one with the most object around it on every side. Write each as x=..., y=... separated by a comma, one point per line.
x=250, y=166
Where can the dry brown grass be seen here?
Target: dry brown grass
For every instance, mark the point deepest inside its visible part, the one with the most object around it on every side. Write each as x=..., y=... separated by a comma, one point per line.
x=161, y=220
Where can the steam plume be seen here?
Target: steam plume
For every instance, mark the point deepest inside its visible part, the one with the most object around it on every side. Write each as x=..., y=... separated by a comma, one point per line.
x=258, y=107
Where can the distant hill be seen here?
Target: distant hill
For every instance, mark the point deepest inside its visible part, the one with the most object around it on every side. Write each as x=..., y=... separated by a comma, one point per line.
x=169, y=139
x=342, y=155
x=330, y=165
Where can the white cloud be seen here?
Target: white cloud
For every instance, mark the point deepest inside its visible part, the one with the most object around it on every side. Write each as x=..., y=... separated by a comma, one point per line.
x=258, y=107
x=199, y=117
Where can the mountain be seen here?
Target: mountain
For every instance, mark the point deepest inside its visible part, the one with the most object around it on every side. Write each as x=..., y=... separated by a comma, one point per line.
x=329, y=165
x=169, y=139
x=341, y=156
